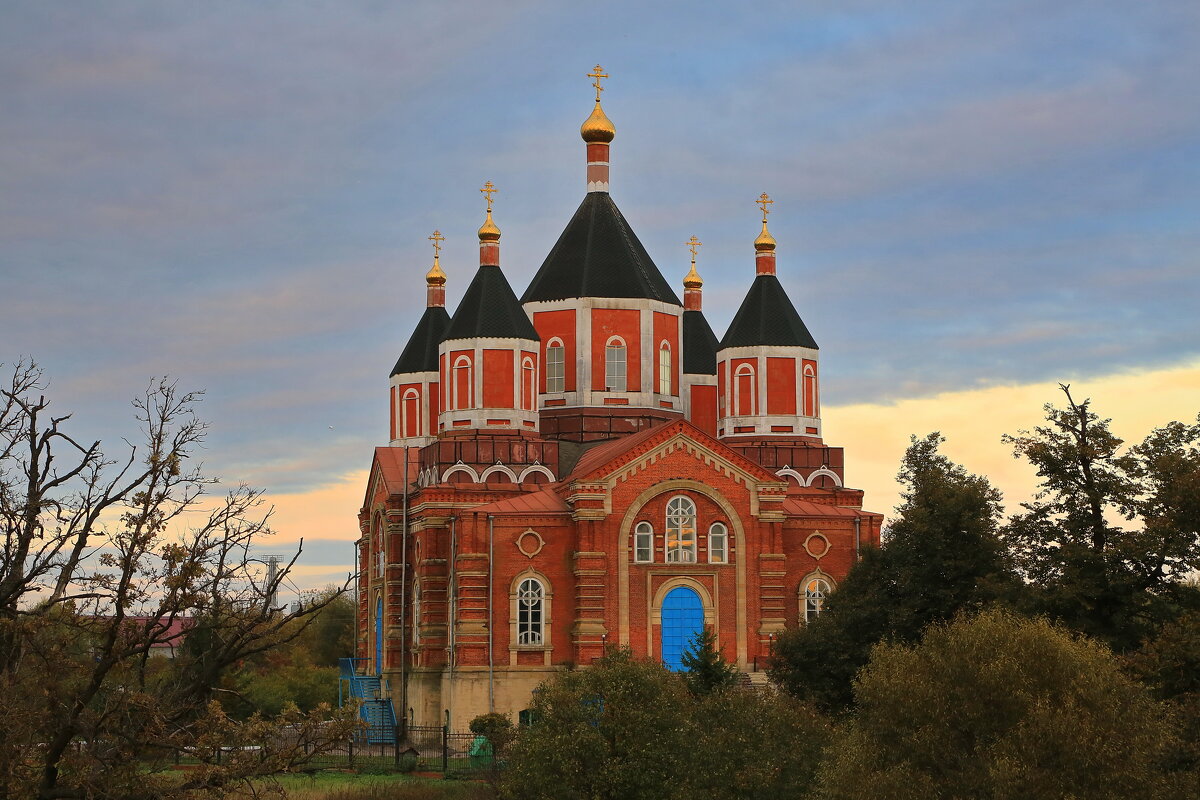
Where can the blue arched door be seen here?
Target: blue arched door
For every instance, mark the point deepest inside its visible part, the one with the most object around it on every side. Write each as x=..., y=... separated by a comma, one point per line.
x=682, y=619
x=379, y=635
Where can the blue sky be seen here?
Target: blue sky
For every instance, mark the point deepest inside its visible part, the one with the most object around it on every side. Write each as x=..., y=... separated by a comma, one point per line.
x=239, y=194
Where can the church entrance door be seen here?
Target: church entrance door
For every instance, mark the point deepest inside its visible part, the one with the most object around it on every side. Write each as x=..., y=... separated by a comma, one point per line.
x=682, y=619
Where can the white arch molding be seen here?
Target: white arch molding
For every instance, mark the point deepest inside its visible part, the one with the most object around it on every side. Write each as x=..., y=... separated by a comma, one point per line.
x=460, y=467
x=538, y=469
x=493, y=469
x=817, y=473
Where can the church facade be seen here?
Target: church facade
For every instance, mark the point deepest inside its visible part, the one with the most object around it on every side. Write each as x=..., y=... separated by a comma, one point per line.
x=588, y=465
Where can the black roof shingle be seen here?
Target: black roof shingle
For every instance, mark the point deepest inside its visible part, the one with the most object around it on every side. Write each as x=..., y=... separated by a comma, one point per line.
x=699, y=345
x=421, y=352
x=598, y=255
x=490, y=308
x=767, y=317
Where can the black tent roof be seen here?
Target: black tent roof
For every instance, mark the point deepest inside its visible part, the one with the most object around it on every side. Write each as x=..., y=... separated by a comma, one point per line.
x=699, y=345
x=490, y=308
x=598, y=255
x=767, y=317
x=421, y=352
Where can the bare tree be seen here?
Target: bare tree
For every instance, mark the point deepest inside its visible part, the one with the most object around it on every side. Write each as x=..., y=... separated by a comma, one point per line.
x=102, y=557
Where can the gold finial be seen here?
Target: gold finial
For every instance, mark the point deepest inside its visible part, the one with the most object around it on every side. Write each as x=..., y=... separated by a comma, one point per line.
x=597, y=127
x=435, y=276
x=692, y=280
x=489, y=232
x=597, y=73
x=765, y=240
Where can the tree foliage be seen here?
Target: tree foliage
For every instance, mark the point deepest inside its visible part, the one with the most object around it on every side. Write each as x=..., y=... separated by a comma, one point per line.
x=996, y=706
x=102, y=557
x=1113, y=533
x=707, y=670
x=629, y=728
x=941, y=556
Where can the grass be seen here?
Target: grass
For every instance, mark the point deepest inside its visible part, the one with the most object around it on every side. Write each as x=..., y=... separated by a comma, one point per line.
x=351, y=786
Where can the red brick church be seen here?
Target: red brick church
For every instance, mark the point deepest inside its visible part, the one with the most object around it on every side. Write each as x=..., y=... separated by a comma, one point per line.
x=589, y=465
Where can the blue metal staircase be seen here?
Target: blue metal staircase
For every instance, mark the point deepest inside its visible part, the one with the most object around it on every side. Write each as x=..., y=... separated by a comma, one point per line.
x=375, y=706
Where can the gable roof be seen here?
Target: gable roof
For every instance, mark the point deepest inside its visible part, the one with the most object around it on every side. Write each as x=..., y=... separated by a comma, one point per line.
x=541, y=501
x=767, y=317
x=699, y=345
x=490, y=308
x=421, y=352
x=598, y=255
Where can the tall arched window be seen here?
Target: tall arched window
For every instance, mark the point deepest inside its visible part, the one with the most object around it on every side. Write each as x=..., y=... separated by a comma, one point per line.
x=531, y=599
x=810, y=391
x=718, y=544
x=556, y=375
x=664, y=368
x=743, y=391
x=681, y=531
x=815, y=592
x=463, y=383
x=528, y=384
x=614, y=365
x=416, y=613
x=410, y=413
x=643, y=542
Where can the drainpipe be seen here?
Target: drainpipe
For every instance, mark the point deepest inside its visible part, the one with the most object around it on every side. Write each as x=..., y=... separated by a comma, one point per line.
x=404, y=595
x=451, y=612
x=491, y=660
x=857, y=536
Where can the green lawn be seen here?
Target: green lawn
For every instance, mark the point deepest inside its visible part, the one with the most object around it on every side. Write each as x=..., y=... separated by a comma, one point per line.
x=350, y=786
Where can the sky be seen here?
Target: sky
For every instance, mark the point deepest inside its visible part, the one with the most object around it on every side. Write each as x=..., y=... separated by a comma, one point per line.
x=973, y=203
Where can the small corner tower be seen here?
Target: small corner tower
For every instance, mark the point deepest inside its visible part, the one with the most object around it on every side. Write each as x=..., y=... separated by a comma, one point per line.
x=767, y=362
x=699, y=353
x=414, y=379
x=488, y=358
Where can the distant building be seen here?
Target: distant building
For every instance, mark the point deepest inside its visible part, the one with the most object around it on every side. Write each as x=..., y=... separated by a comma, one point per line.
x=588, y=465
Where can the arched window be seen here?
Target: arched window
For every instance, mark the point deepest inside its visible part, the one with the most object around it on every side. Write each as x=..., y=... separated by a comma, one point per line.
x=815, y=592
x=643, y=542
x=556, y=375
x=531, y=598
x=416, y=613
x=614, y=365
x=463, y=383
x=743, y=391
x=528, y=384
x=410, y=412
x=664, y=368
x=681, y=531
x=810, y=391
x=718, y=544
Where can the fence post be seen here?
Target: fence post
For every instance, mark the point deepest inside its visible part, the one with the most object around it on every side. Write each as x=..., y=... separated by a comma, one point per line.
x=350, y=748
x=445, y=749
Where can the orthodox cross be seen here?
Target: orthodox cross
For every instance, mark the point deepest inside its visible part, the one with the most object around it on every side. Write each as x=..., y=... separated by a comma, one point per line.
x=692, y=244
x=437, y=240
x=763, y=201
x=488, y=190
x=597, y=74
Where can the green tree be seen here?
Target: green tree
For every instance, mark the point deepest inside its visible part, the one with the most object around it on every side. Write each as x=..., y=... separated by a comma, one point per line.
x=997, y=706
x=706, y=668
x=941, y=555
x=617, y=730
x=751, y=745
x=1113, y=533
x=1169, y=664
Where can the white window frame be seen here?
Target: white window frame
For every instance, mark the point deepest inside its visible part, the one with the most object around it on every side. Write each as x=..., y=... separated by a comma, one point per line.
x=528, y=381
x=718, y=543
x=462, y=363
x=816, y=589
x=743, y=370
x=681, y=530
x=531, y=613
x=616, y=365
x=556, y=366
x=643, y=543
x=664, y=368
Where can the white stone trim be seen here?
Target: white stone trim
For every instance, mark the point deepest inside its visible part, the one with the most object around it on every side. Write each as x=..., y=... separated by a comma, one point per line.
x=816, y=473
x=532, y=468
x=493, y=469
x=460, y=467
x=788, y=472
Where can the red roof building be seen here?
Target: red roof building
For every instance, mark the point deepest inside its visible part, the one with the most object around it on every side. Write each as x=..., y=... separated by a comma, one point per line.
x=589, y=466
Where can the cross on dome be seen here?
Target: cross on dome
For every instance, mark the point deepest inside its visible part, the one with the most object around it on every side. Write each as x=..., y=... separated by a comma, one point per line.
x=597, y=73
x=488, y=190
x=762, y=202
x=692, y=244
x=437, y=240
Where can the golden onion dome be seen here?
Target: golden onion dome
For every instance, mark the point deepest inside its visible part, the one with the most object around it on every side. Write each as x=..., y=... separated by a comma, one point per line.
x=489, y=232
x=692, y=280
x=597, y=127
x=435, y=276
x=765, y=240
